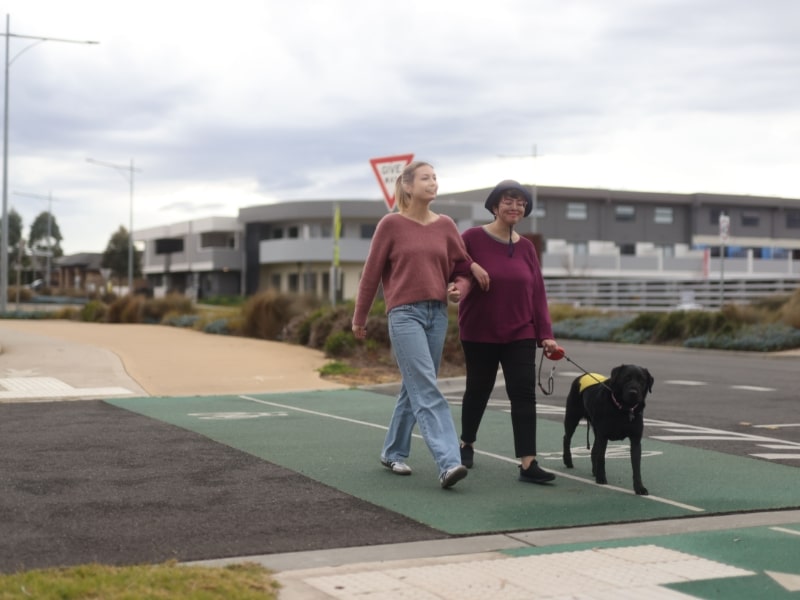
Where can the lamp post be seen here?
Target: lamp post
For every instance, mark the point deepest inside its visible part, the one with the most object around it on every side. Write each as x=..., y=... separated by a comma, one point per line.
x=127, y=172
x=4, y=245
x=533, y=184
x=49, y=256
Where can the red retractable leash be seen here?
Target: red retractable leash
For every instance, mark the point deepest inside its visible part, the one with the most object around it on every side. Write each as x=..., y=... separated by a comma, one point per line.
x=554, y=355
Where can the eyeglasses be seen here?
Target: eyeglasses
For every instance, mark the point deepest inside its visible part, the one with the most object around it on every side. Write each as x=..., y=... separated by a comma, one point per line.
x=516, y=198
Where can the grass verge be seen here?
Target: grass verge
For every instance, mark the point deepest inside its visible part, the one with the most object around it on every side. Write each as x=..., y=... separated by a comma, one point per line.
x=162, y=581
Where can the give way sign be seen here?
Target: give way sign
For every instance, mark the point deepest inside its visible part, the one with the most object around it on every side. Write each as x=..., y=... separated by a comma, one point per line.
x=387, y=170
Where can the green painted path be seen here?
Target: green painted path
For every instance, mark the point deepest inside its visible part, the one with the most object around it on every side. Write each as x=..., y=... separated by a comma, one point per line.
x=335, y=437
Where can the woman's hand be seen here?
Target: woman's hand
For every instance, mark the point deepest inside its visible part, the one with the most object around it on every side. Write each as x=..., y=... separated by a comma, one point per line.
x=480, y=275
x=360, y=332
x=549, y=346
x=453, y=293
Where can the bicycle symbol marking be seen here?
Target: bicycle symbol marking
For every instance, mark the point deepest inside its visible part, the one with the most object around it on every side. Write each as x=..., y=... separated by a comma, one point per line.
x=236, y=416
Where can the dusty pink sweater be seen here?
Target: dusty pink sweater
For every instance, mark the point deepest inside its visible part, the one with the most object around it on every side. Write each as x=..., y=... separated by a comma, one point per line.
x=414, y=262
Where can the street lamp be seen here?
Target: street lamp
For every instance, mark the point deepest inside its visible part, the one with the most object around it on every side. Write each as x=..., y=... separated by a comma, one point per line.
x=127, y=172
x=533, y=184
x=49, y=199
x=8, y=62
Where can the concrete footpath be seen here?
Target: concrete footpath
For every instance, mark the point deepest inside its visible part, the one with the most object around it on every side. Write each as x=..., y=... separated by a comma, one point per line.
x=740, y=555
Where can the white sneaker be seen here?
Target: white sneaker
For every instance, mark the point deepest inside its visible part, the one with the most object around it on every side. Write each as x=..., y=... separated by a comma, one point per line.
x=398, y=467
x=452, y=476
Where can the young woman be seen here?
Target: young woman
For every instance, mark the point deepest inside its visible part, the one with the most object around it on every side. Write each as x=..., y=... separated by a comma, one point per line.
x=413, y=253
x=503, y=325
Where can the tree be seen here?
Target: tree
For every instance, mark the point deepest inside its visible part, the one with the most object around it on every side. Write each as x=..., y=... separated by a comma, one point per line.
x=45, y=235
x=115, y=256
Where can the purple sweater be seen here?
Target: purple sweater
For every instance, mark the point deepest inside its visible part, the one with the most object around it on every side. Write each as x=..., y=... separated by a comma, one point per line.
x=414, y=262
x=515, y=307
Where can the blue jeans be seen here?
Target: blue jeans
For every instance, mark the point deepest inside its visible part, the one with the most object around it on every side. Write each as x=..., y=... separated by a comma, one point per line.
x=417, y=332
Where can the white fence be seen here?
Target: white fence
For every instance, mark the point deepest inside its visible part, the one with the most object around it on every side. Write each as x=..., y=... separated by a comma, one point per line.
x=643, y=295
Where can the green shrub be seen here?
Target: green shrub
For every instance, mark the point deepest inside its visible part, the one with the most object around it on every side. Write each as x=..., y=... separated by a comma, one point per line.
x=336, y=368
x=756, y=338
x=125, y=309
x=638, y=330
x=180, y=320
x=331, y=322
x=340, y=344
x=93, y=311
x=299, y=328
x=789, y=313
x=155, y=309
x=598, y=329
x=670, y=327
x=267, y=314
x=218, y=326
x=562, y=312
x=224, y=300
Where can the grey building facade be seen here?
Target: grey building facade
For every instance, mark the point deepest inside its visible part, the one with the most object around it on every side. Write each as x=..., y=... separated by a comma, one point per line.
x=292, y=247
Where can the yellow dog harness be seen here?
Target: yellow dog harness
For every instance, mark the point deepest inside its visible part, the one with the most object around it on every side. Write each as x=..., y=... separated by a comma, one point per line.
x=590, y=379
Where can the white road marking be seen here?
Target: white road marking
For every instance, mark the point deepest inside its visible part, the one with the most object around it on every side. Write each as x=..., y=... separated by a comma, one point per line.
x=777, y=456
x=635, y=571
x=753, y=388
x=235, y=416
x=18, y=388
x=788, y=581
x=497, y=456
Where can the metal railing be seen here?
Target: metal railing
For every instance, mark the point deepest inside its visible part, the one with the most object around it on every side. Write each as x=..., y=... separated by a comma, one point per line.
x=644, y=295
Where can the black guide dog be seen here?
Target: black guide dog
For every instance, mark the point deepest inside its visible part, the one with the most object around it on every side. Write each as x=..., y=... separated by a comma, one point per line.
x=614, y=407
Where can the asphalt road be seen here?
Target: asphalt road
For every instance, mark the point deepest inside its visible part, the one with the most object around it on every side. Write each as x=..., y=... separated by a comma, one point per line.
x=731, y=399
x=725, y=401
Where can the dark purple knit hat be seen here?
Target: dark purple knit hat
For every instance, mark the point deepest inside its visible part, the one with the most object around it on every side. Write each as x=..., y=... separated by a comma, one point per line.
x=504, y=186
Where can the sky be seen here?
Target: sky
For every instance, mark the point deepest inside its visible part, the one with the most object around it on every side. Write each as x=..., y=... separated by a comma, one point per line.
x=218, y=106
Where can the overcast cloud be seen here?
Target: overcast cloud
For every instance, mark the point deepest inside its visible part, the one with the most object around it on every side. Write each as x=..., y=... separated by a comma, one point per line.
x=223, y=105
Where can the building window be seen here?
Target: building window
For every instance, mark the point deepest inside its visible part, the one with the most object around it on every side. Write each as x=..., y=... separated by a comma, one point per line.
x=309, y=282
x=539, y=211
x=625, y=212
x=294, y=282
x=750, y=219
x=293, y=232
x=367, y=231
x=275, y=281
x=627, y=249
x=277, y=233
x=793, y=219
x=217, y=239
x=581, y=248
x=663, y=215
x=667, y=251
x=577, y=211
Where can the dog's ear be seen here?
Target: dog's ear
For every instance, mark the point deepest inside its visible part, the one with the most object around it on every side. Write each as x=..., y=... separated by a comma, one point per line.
x=650, y=380
x=615, y=371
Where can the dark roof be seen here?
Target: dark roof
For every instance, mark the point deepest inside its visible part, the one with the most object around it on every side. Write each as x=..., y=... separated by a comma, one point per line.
x=91, y=261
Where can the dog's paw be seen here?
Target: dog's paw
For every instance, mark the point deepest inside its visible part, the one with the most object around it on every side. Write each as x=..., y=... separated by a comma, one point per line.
x=568, y=462
x=601, y=479
x=641, y=491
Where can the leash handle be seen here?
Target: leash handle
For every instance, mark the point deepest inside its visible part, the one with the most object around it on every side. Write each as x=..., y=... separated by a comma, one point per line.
x=550, y=379
x=556, y=354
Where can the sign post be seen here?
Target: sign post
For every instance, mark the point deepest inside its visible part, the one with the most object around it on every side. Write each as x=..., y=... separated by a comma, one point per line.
x=387, y=169
x=724, y=230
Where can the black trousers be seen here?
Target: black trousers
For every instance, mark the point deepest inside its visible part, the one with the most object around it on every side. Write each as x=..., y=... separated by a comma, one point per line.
x=519, y=369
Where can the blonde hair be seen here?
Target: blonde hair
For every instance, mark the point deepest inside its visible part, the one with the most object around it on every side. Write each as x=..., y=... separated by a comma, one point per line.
x=402, y=197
